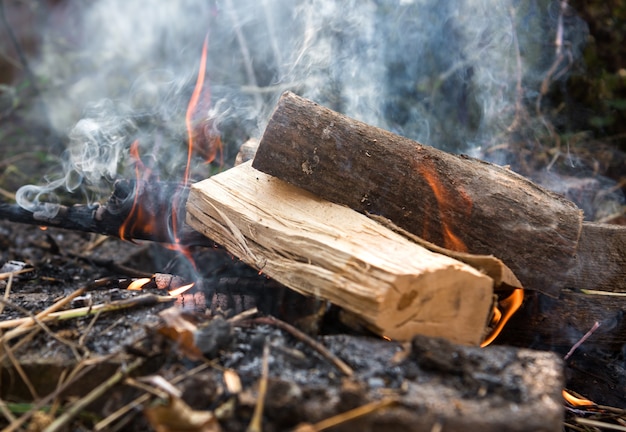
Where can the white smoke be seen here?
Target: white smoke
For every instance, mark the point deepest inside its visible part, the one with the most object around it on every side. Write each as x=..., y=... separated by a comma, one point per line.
x=443, y=72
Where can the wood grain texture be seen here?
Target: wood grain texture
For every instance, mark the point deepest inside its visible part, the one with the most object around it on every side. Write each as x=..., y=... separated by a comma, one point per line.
x=453, y=201
x=600, y=260
x=327, y=250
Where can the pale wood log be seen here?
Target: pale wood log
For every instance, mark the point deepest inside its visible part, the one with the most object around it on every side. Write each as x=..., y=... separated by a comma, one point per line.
x=323, y=249
x=453, y=201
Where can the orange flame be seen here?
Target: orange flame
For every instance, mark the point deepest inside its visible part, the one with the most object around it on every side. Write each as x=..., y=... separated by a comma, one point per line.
x=181, y=289
x=509, y=306
x=139, y=217
x=138, y=284
x=212, y=142
x=446, y=200
x=136, y=215
x=457, y=201
x=575, y=400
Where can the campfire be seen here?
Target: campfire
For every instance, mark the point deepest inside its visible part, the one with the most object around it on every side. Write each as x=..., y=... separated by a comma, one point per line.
x=329, y=272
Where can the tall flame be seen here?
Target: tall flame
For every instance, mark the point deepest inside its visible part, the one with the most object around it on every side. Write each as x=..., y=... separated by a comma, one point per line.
x=193, y=104
x=138, y=217
x=212, y=143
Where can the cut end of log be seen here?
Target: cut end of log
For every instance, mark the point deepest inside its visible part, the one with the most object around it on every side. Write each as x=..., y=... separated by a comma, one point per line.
x=398, y=288
x=450, y=301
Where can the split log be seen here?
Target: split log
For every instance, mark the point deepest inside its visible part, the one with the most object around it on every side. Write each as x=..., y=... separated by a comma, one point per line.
x=453, y=201
x=323, y=249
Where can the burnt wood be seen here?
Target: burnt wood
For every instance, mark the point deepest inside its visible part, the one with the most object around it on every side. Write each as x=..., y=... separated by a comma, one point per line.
x=454, y=201
x=151, y=219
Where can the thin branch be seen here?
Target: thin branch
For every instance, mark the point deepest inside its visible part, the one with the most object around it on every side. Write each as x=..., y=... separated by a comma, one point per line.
x=17, y=424
x=106, y=422
x=142, y=300
x=18, y=48
x=519, y=90
x=92, y=396
x=7, y=291
x=582, y=340
x=18, y=367
x=26, y=323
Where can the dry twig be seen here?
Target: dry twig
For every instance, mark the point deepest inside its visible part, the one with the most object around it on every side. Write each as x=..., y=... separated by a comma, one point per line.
x=257, y=418
x=92, y=396
x=142, y=300
x=108, y=421
x=346, y=416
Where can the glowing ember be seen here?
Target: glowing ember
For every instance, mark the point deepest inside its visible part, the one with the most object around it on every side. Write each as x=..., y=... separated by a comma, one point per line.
x=575, y=400
x=505, y=309
x=181, y=289
x=138, y=284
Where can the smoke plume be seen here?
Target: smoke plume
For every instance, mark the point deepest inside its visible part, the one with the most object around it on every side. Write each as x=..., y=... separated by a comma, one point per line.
x=452, y=74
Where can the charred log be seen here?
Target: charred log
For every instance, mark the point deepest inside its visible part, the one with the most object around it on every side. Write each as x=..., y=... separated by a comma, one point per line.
x=152, y=211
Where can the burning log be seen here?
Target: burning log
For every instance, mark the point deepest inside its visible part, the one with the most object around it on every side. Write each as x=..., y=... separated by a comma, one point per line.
x=135, y=211
x=453, y=201
x=323, y=249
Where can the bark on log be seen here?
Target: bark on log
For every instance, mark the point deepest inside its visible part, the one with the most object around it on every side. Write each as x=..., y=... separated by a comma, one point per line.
x=323, y=249
x=453, y=201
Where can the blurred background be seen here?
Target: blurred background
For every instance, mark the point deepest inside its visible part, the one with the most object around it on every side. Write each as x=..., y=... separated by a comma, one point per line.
x=538, y=85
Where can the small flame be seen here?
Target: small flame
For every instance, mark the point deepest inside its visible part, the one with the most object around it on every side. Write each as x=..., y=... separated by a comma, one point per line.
x=136, y=215
x=457, y=200
x=178, y=291
x=509, y=306
x=445, y=200
x=576, y=400
x=138, y=284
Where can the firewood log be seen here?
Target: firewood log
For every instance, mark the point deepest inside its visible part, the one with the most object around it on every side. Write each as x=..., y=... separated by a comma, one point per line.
x=319, y=248
x=453, y=201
